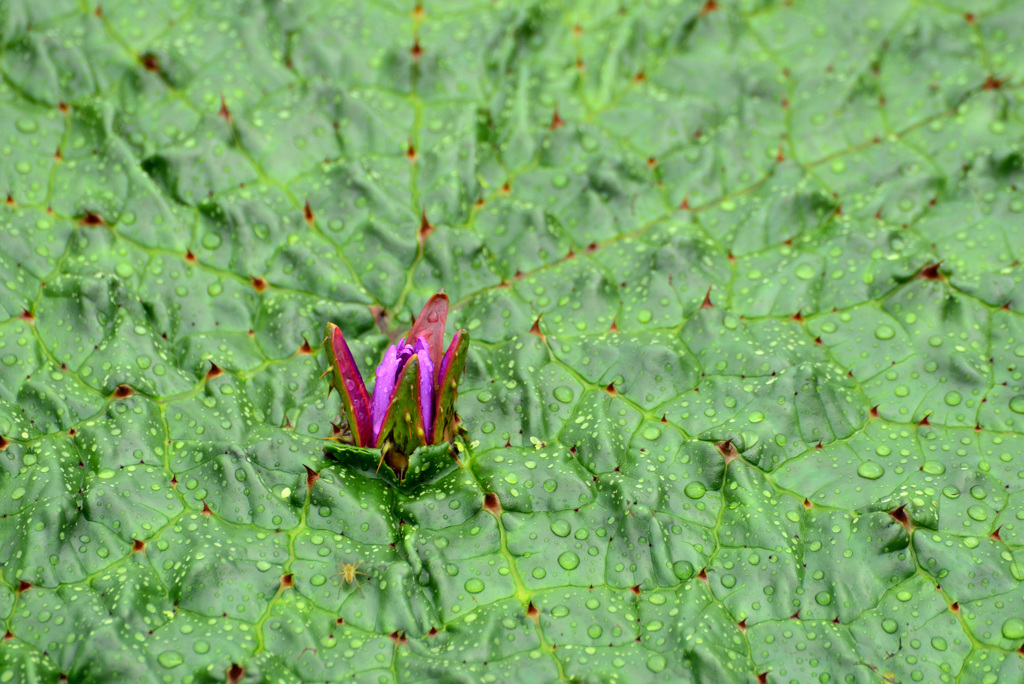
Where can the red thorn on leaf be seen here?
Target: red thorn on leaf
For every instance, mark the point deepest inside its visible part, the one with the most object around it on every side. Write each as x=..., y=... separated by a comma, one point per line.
x=492, y=504
x=762, y=678
x=742, y=624
x=819, y=446
x=190, y=257
x=425, y=227
x=592, y=247
x=664, y=418
x=730, y=257
x=874, y=411
x=416, y=51
x=287, y=581
x=258, y=284
x=652, y=162
x=614, y=327
x=235, y=673
x=174, y=481
x=993, y=83
x=685, y=204
x=640, y=77
x=1006, y=306
x=930, y=272
x=305, y=349
x=206, y=509
x=8, y=635
x=900, y=516
x=556, y=121
x=798, y=317
x=707, y=300
x=138, y=546
x=728, y=450
x=92, y=220
x=780, y=156
x=4, y=443
x=433, y=632
x=479, y=202
x=57, y=155
x=24, y=586
x=307, y=212
x=311, y=476
x=795, y=616
x=709, y=7
x=807, y=503
x=970, y=18
x=995, y=535
x=149, y=62
x=817, y=340
x=398, y=637
x=535, y=329
x=703, y=575
x=9, y=201
x=532, y=612
x=224, y=112
x=27, y=316
x=635, y=589
x=610, y=389
x=508, y=443
x=214, y=372
x=123, y=392
x=924, y=421
x=410, y=153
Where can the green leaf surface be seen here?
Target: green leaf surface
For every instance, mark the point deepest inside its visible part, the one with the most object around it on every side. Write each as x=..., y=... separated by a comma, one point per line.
x=745, y=396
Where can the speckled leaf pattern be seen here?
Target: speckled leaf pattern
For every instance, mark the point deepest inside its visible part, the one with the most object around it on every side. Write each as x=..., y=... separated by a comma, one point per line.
x=745, y=395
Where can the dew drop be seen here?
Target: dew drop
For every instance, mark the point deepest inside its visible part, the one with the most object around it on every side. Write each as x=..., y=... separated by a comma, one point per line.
x=170, y=659
x=870, y=470
x=561, y=528
x=563, y=394
x=885, y=332
x=695, y=490
x=569, y=560
x=979, y=513
x=1013, y=629
x=656, y=663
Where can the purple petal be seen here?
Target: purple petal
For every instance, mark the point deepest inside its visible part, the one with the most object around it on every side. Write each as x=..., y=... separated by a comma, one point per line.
x=446, y=361
x=349, y=383
x=426, y=388
x=387, y=372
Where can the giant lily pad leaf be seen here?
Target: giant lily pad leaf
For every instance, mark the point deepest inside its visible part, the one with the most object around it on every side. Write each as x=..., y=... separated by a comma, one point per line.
x=744, y=400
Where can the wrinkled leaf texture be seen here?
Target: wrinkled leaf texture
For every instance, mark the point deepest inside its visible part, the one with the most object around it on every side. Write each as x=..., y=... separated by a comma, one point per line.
x=745, y=395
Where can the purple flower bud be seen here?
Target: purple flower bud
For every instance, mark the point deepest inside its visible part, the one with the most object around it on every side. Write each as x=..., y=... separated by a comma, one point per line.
x=428, y=397
x=387, y=374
